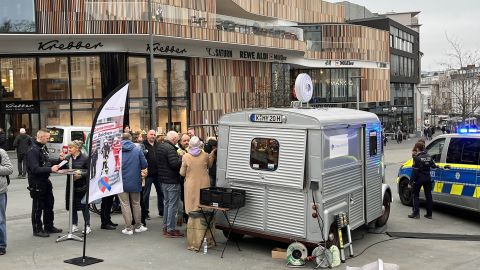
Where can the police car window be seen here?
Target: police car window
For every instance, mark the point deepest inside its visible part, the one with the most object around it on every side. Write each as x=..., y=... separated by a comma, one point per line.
x=56, y=135
x=264, y=154
x=463, y=151
x=435, y=149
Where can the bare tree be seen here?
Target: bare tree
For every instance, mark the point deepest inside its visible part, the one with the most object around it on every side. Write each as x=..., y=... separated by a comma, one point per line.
x=462, y=67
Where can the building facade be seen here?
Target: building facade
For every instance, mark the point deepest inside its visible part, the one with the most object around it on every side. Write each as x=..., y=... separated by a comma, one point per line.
x=404, y=43
x=59, y=59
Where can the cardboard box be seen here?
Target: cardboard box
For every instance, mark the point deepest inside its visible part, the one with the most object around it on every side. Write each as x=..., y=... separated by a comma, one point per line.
x=279, y=253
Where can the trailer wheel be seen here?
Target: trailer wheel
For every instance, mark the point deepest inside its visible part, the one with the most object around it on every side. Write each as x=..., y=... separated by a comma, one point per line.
x=233, y=236
x=405, y=192
x=382, y=220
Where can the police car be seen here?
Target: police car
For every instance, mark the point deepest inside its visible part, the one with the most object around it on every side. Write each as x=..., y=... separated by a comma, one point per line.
x=457, y=180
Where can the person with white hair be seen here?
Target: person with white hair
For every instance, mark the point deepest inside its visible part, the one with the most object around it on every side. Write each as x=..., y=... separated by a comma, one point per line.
x=195, y=165
x=22, y=143
x=168, y=165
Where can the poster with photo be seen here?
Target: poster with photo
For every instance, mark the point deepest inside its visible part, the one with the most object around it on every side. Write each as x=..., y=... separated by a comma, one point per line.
x=106, y=146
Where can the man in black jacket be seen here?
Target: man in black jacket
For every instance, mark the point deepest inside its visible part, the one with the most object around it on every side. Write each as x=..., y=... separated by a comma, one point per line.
x=39, y=169
x=168, y=164
x=152, y=177
x=22, y=143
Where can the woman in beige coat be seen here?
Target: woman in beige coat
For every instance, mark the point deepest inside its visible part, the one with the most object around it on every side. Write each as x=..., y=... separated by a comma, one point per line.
x=195, y=166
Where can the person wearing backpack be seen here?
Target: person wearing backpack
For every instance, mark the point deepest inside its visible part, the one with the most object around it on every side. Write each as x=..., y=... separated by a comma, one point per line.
x=6, y=169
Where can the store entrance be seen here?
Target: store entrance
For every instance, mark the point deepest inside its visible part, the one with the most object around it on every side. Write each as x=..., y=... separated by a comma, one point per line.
x=15, y=121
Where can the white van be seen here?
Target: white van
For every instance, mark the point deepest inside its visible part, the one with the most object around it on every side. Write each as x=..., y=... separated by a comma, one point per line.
x=60, y=136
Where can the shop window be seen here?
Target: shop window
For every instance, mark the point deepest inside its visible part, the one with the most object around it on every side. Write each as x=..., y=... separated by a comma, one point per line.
x=139, y=115
x=161, y=75
x=137, y=74
x=179, y=78
x=54, y=78
x=18, y=78
x=264, y=154
x=55, y=113
x=162, y=116
x=85, y=76
x=17, y=16
x=179, y=116
x=84, y=112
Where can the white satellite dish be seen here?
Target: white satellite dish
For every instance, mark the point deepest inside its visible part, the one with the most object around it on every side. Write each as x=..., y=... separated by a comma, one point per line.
x=303, y=87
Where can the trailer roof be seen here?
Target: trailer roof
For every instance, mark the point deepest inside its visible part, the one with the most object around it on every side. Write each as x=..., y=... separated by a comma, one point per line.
x=307, y=117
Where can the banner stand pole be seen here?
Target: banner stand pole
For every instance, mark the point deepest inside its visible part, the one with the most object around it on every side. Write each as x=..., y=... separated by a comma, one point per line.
x=85, y=260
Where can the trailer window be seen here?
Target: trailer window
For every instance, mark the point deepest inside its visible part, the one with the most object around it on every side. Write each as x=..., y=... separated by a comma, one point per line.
x=56, y=135
x=264, y=154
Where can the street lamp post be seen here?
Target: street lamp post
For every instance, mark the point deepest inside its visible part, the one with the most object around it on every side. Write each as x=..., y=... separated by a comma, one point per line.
x=358, y=89
x=153, y=112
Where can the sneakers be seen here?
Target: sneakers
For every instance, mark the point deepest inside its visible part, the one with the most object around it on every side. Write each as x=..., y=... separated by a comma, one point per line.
x=53, y=230
x=141, y=229
x=127, y=231
x=415, y=216
x=3, y=251
x=41, y=234
x=74, y=228
x=89, y=230
x=428, y=216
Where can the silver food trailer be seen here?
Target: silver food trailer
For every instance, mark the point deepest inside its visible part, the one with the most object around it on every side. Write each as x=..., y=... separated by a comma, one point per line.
x=287, y=158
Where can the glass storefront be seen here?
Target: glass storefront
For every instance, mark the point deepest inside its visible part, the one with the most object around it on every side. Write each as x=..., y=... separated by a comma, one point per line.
x=332, y=85
x=171, y=104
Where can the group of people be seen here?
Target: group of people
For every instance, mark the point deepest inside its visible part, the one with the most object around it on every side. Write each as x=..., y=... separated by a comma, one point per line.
x=178, y=167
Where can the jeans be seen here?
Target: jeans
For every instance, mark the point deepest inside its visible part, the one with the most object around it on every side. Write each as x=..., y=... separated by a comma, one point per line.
x=86, y=216
x=3, y=220
x=125, y=199
x=171, y=196
x=22, y=164
x=106, y=208
x=146, y=193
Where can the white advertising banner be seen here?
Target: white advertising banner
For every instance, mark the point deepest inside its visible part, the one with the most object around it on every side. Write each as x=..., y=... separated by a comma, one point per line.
x=106, y=146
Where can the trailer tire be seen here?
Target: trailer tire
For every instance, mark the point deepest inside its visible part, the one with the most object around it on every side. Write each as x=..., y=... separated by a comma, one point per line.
x=405, y=192
x=233, y=236
x=387, y=201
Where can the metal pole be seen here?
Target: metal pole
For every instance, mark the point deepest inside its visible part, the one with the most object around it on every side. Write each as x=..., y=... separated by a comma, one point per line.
x=153, y=112
x=358, y=95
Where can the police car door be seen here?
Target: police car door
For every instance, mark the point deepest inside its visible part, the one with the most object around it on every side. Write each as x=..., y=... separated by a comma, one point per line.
x=436, y=150
x=460, y=173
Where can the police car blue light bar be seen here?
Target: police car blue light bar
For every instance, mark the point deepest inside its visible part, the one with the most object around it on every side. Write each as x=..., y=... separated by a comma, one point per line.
x=467, y=130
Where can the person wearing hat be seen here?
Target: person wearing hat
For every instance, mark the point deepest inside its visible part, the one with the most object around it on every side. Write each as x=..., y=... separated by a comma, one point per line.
x=22, y=143
x=80, y=182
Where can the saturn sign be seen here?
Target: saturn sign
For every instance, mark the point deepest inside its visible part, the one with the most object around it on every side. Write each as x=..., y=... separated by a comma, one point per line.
x=303, y=87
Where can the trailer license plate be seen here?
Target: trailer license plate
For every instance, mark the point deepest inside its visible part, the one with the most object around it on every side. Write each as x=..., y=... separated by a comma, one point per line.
x=266, y=118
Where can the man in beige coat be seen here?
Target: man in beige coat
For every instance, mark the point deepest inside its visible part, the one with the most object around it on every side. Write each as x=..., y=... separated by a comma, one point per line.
x=195, y=165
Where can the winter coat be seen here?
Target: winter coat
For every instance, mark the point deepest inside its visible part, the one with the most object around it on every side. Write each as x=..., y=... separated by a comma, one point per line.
x=422, y=163
x=133, y=161
x=79, y=185
x=38, y=166
x=168, y=163
x=150, y=155
x=195, y=169
x=6, y=168
x=22, y=143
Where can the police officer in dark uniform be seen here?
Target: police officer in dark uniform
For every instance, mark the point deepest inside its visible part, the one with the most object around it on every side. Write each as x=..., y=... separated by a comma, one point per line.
x=39, y=169
x=422, y=162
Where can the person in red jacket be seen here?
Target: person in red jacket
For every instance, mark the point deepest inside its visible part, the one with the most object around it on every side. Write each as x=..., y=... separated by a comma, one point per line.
x=116, y=148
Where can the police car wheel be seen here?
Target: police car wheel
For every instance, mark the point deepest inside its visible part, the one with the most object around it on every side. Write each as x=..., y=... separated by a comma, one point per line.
x=233, y=236
x=405, y=192
x=382, y=220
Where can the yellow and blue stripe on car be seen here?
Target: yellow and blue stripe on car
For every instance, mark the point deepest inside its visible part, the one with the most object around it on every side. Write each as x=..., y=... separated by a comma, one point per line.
x=466, y=176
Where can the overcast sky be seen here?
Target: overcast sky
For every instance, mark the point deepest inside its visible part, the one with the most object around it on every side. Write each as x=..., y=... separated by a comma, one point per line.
x=458, y=18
